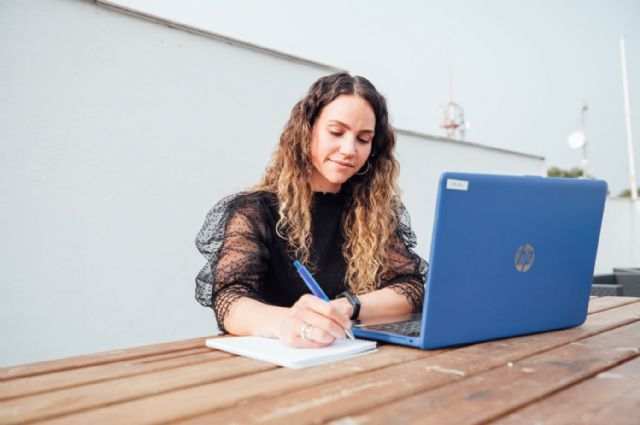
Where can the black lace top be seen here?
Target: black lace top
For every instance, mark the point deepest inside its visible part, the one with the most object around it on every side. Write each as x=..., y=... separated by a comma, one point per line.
x=246, y=257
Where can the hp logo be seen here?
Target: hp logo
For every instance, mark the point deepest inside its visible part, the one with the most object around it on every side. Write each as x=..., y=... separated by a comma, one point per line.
x=525, y=255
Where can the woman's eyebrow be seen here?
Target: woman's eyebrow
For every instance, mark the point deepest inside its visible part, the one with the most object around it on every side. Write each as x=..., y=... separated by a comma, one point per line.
x=340, y=123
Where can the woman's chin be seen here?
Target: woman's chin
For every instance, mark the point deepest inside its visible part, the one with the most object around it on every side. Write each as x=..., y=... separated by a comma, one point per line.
x=333, y=180
x=338, y=178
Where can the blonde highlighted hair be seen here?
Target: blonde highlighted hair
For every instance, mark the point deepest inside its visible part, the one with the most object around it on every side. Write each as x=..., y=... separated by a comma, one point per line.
x=373, y=198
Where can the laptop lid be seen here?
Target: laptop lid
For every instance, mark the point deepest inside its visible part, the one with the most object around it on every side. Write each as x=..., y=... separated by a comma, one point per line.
x=510, y=255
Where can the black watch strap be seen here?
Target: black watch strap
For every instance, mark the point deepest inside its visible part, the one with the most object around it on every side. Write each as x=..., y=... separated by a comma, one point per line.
x=354, y=301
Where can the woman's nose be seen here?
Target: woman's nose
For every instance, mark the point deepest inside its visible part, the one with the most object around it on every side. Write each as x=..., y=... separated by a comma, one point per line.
x=348, y=146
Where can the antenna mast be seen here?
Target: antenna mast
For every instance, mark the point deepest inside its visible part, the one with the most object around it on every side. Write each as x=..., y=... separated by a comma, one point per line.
x=453, y=115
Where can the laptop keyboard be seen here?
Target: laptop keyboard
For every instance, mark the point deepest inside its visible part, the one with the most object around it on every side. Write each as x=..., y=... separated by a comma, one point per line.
x=409, y=328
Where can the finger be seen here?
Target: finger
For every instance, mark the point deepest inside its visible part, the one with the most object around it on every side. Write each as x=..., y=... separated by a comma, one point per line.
x=296, y=341
x=320, y=336
x=327, y=309
x=301, y=343
x=309, y=336
x=297, y=333
x=343, y=305
x=325, y=327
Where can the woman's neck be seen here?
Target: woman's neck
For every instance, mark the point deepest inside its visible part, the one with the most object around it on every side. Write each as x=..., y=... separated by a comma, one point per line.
x=321, y=184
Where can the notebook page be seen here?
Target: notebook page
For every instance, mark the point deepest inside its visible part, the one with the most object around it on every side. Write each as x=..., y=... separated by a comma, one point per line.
x=274, y=351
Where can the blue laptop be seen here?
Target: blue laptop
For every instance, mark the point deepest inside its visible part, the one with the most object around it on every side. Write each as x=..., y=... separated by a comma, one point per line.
x=510, y=255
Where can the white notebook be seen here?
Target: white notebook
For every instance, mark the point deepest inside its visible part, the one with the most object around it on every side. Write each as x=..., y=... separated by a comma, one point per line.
x=273, y=351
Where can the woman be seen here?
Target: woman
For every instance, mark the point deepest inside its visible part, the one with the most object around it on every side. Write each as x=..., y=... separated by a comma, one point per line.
x=328, y=199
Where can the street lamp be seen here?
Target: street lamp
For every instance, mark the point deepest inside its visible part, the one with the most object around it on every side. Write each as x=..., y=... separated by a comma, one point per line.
x=578, y=140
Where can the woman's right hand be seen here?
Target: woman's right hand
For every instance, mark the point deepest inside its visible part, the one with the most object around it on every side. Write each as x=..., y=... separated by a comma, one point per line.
x=312, y=322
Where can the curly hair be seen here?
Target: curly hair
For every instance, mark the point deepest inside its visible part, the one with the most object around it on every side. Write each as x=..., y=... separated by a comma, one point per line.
x=368, y=225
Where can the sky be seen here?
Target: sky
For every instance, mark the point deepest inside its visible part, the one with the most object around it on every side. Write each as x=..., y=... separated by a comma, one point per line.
x=521, y=69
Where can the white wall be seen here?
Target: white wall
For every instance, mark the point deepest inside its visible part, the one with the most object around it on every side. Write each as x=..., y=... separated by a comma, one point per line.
x=116, y=136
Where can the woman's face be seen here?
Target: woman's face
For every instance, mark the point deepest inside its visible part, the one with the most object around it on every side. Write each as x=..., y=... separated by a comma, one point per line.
x=341, y=140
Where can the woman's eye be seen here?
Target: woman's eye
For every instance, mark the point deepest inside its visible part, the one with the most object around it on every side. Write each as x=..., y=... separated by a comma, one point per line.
x=364, y=140
x=336, y=133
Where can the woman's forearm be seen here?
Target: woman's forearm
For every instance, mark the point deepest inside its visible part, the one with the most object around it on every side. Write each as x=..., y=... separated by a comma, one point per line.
x=383, y=302
x=324, y=322
x=379, y=303
x=250, y=317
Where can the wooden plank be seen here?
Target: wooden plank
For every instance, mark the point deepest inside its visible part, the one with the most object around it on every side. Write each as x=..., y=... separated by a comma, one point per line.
x=32, y=385
x=605, y=303
x=31, y=369
x=367, y=391
x=492, y=394
x=612, y=396
x=90, y=396
x=171, y=355
x=622, y=411
x=242, y=390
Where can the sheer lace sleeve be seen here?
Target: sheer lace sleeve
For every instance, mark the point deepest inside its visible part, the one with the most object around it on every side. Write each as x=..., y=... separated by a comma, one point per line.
x=407, y=270
x=232, y=240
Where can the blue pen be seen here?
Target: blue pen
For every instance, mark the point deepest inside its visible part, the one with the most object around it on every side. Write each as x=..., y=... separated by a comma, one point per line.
x=315, y=288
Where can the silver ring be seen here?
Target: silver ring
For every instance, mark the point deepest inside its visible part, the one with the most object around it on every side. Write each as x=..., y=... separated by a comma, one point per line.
x=305, y=332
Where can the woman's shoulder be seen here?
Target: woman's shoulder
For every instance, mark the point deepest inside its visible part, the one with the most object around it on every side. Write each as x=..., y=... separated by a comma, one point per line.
x=248, y=202
x=249, y=206
x=248, y=199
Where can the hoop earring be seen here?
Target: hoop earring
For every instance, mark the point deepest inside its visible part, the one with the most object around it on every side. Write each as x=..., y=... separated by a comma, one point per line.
x=365, y=171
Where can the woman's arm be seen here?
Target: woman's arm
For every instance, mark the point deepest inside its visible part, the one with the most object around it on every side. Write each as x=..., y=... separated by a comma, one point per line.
x=247, y=316
x=250, y=317
x=380, y=303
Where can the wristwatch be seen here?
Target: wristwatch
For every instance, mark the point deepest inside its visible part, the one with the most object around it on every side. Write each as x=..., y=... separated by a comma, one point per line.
x=354, y=301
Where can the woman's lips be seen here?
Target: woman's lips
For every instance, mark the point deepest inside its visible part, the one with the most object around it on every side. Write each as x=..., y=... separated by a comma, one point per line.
x=342, y=164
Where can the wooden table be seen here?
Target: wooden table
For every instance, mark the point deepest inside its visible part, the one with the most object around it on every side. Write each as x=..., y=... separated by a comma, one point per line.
x=588, y=374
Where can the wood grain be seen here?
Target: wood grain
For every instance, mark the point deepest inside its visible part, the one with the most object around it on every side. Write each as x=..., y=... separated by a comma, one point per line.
x=366, y=391
x=492, y=394
x=31, y=369
x=37, y=384
x=611, y=397
x=91, y=396
x=605, y=303
x=184, y=382
x=240, y=391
